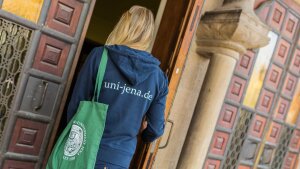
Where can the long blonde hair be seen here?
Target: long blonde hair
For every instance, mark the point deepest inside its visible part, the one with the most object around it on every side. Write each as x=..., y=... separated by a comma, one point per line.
x=135, y=29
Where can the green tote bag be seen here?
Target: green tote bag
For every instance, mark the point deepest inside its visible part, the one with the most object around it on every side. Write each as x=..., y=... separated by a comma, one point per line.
x=78, y=145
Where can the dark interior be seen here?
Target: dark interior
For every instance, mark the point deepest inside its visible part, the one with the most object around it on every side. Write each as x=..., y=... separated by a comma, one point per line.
x=106, y=14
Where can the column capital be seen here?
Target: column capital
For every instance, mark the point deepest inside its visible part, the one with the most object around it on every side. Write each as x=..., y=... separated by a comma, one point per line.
x=235, y=29
x=246, y=5
x=229, y=48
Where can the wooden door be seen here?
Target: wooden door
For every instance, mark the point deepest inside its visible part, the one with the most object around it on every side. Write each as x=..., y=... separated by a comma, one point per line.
x=177, y=28
x=40, y=41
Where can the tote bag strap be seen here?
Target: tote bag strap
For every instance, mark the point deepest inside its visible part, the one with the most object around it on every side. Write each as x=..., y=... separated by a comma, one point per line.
x=100, y=74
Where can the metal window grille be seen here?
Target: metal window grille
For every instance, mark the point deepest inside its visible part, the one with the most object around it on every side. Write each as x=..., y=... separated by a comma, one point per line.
x=14, y=42
x=238, y=140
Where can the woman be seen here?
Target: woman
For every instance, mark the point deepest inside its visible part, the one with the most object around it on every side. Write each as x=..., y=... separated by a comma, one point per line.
x=134, y=87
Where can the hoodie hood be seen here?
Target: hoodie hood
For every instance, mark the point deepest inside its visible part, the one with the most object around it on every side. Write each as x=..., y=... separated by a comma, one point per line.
x=135, y=65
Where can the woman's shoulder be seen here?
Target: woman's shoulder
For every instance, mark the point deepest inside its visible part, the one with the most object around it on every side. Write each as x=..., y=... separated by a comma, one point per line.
x=96, y=54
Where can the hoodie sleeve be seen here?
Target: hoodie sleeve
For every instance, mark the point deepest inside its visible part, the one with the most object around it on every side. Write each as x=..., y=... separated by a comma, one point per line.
x=84, y=86
x=156, y=117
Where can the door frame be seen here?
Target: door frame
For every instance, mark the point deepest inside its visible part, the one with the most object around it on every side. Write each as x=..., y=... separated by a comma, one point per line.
x=173, y=56
x=69, y=83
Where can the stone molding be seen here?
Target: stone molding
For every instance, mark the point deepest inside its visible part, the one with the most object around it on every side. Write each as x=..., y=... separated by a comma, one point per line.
x=207, y=48
x=233, y=29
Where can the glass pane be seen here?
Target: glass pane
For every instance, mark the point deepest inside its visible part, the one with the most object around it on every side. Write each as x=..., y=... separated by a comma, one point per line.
x=14, y=42
x=295, y=107
x=29, y=9
x=260, y=68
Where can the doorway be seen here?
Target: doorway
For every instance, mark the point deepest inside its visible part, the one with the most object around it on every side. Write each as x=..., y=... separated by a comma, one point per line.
x=105, y=16
x=176, y=22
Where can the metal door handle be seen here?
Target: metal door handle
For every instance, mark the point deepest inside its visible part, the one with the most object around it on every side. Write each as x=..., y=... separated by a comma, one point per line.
x=169, y=136
x=45, y=84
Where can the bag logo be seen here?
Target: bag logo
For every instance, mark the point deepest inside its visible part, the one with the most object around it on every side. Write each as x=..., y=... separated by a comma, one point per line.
x=75, y=142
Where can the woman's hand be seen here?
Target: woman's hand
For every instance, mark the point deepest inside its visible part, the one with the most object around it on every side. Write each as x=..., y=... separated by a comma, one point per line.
x=143, y=126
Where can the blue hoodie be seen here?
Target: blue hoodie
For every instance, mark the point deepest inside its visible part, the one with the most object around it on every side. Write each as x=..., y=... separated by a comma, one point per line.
x=134, y=86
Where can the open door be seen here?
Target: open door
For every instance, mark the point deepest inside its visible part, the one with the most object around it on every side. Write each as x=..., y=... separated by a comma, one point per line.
x=40, y=40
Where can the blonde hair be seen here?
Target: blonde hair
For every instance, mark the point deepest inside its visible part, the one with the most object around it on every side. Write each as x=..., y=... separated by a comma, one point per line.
x=135, y=29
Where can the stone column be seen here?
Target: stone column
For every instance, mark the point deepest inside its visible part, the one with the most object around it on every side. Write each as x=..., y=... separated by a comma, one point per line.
x=223, y=35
